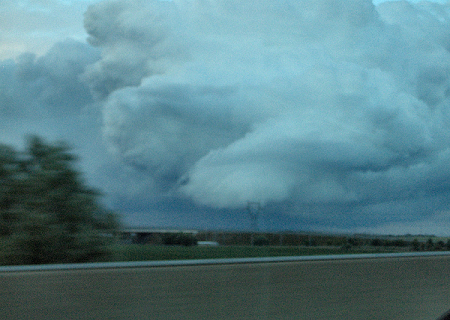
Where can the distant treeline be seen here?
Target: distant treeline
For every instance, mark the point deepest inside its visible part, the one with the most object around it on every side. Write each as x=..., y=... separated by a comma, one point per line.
x=242, y=238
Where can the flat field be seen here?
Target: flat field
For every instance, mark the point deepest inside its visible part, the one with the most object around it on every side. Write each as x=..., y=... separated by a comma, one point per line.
x=136, y=252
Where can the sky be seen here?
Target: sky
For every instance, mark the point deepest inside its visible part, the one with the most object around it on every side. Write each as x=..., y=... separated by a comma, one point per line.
x=330, y=115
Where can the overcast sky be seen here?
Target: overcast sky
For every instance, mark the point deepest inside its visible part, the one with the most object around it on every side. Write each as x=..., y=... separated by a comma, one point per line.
x=332, y=115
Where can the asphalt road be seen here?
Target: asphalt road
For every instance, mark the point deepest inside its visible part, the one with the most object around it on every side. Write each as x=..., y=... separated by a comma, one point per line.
x=412, y=288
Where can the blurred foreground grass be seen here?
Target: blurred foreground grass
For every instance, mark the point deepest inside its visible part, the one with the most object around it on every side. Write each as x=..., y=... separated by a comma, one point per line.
x=136, y=252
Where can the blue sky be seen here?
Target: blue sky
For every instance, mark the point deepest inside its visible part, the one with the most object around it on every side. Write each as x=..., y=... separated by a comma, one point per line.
x=334, y=116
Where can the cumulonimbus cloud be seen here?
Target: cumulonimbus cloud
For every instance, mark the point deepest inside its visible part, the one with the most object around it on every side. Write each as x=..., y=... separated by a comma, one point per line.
x=313, y=101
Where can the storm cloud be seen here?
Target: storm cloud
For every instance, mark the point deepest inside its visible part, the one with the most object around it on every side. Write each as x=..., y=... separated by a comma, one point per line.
x=333, y=115
x=324, y=102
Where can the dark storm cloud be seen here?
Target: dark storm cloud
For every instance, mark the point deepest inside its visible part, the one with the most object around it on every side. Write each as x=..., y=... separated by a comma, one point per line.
x=133, y=36
x=31, y=85
x=317, y=103
x=44, y=95
x=334, y=112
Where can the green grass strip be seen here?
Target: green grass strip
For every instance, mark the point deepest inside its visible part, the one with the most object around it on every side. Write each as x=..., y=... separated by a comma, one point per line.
x=134, y=252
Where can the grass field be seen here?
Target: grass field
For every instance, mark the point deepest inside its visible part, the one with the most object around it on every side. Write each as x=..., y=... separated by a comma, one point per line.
x=134, y=252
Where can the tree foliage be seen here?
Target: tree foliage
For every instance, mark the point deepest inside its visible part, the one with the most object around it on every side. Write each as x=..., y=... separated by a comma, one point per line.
x=261, y=241
x=47, y=213
x=179, y=238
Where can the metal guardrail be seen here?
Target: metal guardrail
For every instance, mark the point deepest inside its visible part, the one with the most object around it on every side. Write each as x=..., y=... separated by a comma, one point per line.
x=196, y=262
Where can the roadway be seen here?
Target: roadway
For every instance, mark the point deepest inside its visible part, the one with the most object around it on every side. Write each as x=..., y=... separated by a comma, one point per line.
x=389, y=287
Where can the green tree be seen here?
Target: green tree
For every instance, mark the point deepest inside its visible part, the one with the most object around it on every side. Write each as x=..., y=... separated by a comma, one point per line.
x=429, y=244
x=179, y=238
x=261, y=241
x=8, y=176
x=440, y=245
x=415, y=245
x=47, y=214
x=376, y=242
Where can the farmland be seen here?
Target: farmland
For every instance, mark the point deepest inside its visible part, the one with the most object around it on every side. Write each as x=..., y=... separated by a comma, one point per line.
x=135, y=252
x=238, y=245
